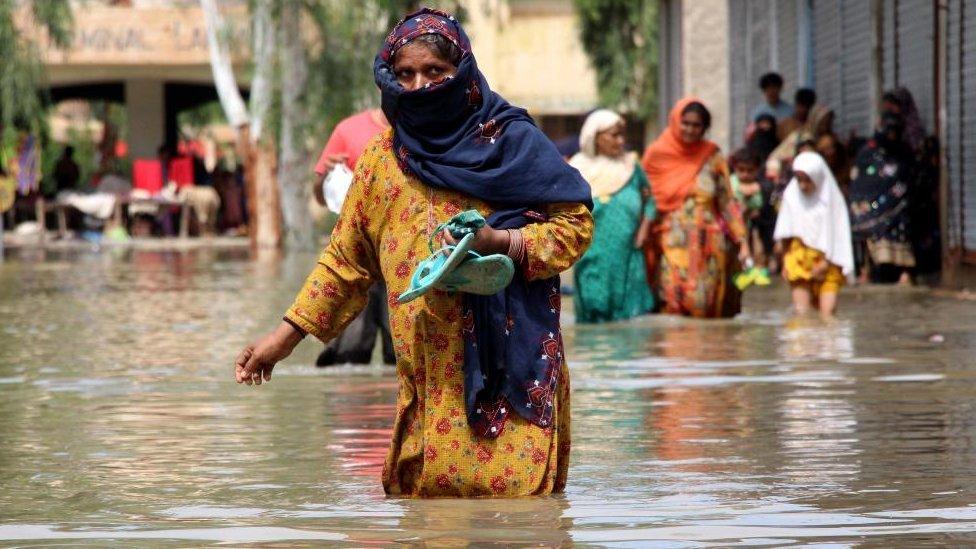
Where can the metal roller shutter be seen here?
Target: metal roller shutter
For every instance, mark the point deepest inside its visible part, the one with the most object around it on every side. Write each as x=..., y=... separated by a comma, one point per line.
x=960, y=129
x=762, y=39
x=827, y=52
x=889, y=46
x=967, y=121
x=842, y=62
x=953, y=128
x=787, y=30
x=856, y=105
x=758, y=27
x=916, y=53
x=909, y=52
x=742, y=92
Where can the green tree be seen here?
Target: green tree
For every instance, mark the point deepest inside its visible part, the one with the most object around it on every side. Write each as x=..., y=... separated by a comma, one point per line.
x=21, y=70
x=312, y=66
x=346, y=37
x=620, y=38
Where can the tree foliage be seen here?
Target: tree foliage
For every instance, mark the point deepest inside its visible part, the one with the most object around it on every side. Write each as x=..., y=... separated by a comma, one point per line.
x=316, y=71
x=341, y=38
x=21, y=71
x=620, y=38
x=347, y=37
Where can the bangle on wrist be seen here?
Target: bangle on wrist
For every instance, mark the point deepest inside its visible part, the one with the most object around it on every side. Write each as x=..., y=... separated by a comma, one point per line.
x=516, y=246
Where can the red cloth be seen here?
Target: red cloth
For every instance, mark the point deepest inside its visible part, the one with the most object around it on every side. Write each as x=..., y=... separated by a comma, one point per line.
x=180, y=170
x=672, y=165
x=147, y=174
x=350, y=138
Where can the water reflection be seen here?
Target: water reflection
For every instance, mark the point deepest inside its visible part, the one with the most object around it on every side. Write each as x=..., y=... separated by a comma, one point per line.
x=119, y=421
x=810, y=338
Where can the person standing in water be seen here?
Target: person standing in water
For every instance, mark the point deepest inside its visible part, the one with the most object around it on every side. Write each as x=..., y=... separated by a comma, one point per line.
x=483, y=404
x=885, y=175
x=815, y=231
x=355, y=345
x=699, y=238
x=610, y=279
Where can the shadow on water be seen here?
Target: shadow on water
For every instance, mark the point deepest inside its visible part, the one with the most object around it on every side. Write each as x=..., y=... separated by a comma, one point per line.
x=120, y=421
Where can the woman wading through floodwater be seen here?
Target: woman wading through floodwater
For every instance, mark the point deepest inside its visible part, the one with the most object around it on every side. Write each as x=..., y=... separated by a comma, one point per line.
x=483, y=404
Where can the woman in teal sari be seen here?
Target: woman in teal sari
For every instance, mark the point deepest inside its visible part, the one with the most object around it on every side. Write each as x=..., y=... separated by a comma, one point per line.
x=611, y=278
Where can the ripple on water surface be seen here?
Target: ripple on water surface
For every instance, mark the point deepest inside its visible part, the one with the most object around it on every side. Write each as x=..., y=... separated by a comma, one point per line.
x=120, y=421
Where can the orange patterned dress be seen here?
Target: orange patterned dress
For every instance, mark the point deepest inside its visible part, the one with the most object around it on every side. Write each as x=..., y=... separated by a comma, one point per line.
x=696, y=248
x=382, y=233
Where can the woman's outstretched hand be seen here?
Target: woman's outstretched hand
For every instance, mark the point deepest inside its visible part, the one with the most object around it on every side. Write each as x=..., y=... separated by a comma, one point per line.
x=256, y=361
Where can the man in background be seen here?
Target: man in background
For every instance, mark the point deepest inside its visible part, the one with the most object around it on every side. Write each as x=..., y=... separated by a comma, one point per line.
x=355, y=344
x=771, y=85
x=803, y=103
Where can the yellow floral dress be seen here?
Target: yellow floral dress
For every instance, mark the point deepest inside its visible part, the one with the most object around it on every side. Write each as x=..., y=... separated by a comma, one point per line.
x=382, y=233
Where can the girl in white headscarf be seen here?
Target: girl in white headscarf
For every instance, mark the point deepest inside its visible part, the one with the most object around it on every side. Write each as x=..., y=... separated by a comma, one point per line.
x=814, y=225
x=611, y=278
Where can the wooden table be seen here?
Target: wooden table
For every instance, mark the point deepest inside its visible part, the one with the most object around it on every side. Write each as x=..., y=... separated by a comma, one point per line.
x=160, y=203
x=42, y=207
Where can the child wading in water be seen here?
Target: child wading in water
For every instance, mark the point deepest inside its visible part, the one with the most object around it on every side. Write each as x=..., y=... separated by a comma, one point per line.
x=483, y=402
x=815, y=232
x=749, y=193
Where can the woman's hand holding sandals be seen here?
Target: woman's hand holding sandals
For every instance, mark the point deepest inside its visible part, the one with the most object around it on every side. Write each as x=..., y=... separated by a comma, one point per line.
x=486, y=241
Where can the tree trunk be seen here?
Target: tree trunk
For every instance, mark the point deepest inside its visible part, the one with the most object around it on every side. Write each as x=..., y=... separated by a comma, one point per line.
x=293, y=167
x=262, y=86
x=267, y=226
x=261, y=190
x=263, y=205
x=223, y=72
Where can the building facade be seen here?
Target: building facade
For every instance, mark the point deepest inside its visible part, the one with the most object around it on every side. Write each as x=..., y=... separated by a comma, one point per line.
x=153, y=56
x=531, y=54
x=849, y=51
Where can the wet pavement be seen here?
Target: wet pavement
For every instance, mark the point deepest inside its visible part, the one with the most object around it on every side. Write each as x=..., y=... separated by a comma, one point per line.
x=120, y=422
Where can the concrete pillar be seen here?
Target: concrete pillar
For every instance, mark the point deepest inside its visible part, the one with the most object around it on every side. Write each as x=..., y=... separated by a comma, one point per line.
x=705, y=61
x=146, y=112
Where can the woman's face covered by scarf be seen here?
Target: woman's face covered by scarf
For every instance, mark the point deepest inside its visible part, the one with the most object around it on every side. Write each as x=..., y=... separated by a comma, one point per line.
x=451, y=131
x=765, y=125
x=892, y=128
x=419, y=64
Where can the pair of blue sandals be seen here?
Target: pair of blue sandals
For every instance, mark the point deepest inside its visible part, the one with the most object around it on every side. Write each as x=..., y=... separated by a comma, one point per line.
x=458, y=268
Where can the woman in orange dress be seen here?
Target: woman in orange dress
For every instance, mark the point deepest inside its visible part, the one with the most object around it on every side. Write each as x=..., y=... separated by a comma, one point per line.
x=483, y=402
x=699, y=237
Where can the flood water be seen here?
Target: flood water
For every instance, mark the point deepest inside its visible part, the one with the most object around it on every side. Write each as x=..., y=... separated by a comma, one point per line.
x=120, y=422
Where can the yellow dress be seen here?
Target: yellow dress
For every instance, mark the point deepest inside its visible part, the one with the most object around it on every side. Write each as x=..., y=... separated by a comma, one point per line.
x=382, y=232
x=799, y=262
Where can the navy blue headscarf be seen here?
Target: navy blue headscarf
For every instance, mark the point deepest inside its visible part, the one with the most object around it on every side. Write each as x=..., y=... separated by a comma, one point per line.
x=459, y=135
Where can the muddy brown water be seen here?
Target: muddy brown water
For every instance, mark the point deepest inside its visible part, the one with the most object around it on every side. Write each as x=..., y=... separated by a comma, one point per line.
x=120, y=423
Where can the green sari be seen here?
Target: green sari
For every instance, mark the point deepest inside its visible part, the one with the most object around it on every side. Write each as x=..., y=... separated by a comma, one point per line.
x=611, y=278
